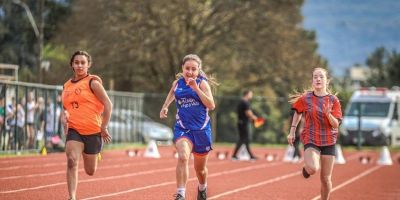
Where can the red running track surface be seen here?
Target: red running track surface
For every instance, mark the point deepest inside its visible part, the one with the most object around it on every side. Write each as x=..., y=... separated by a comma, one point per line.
x=122, y=177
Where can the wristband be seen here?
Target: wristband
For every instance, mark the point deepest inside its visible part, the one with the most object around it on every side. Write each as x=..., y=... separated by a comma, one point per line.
x=294, y=126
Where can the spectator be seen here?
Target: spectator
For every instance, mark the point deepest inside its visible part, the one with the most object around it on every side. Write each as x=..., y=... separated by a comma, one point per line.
x=245, y=114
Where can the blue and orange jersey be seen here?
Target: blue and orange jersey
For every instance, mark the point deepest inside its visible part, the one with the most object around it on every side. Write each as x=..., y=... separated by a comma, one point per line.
x=84, y=109
x=191, y=113
x=317, y=129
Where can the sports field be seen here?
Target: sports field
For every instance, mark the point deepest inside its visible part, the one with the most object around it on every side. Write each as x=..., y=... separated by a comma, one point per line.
x=122, y=177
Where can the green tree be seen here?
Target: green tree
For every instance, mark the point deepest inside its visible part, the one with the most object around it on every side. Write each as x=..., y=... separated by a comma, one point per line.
x=256, y=44
x=385, y=68
x=18, y=42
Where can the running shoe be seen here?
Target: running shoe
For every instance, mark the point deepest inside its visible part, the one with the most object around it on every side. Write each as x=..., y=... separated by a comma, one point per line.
x=305, y=173
x=202, y=195
x=179, y=197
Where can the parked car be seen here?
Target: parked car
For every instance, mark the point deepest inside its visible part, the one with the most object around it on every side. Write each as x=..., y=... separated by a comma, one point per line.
x=375, y=111
x=133, y=126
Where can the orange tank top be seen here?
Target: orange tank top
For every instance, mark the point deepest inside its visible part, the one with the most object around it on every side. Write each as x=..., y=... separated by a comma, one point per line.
x=82, y=105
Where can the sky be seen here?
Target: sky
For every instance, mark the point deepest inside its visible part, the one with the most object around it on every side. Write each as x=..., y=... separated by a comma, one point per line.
x=348, y=31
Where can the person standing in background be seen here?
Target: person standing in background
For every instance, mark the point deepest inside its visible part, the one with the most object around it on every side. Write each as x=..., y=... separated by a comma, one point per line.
x=245, y=115
x=30, y=119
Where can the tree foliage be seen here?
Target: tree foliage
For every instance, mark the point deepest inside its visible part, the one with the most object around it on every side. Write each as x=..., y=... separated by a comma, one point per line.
x=18, y=42
x=385, y=68
x=139, y=44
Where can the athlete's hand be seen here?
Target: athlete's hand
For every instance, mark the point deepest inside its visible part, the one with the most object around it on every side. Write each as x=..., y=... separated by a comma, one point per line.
x=163, y=113
x=105, y=135
x=327, y=109
x=290, y=138
x=191, y=82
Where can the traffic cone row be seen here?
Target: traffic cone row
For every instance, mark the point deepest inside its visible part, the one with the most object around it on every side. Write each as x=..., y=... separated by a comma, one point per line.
x=152, y=152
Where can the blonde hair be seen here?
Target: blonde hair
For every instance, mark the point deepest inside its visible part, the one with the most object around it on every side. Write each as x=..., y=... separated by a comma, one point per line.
x=293, y=97
x=197, y=59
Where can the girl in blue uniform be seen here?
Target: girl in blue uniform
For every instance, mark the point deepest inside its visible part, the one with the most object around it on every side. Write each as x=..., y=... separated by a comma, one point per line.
x=192, y=132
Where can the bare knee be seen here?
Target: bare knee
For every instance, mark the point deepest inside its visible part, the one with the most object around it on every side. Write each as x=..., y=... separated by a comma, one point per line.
x=72, y=162
x=201, y=170
x=183, y=158
x=326, y=180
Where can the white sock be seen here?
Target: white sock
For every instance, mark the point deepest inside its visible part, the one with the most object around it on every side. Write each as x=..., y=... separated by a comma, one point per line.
x=202, y=187
x=181, y=191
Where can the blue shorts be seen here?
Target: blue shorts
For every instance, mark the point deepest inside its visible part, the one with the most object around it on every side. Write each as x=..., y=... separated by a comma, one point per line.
x=201, y=140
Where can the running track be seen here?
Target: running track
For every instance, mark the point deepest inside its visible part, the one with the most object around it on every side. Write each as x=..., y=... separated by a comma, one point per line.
x=122, y=177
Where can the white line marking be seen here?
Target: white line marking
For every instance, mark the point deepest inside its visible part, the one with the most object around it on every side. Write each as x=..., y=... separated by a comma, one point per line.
x=97, y=179
x=256, y=185
x=351, y=180
x=101, y=167
x=191, y=179
x=91, y=180
x=33, y=166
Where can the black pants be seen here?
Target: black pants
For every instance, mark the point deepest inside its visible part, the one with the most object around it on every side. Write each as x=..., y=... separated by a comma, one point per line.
x=243, y=139
x=296, y=147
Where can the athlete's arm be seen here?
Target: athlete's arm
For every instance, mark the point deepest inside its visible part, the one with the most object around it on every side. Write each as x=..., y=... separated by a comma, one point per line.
x=292, y=133
x=101, y=94
x=204, y=92
x=170, y=98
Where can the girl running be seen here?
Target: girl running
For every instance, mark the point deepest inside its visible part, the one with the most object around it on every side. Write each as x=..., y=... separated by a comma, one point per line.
x=87, y=113
x=322, y=112
x=192, y=132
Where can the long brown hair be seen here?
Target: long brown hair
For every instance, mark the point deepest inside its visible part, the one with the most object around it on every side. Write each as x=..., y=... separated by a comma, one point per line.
x=196, y=58
x=293, y=97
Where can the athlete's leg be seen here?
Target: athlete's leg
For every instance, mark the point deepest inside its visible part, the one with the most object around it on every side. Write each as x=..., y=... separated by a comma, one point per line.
x=184, y=148
x=90, y=163
x=200, y=166
x=311, y=160
x=93, y=146
x=73, y=151
x=327, y=162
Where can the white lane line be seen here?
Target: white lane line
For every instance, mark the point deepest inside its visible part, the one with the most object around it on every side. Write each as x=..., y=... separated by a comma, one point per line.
x=256, y=185
x=33, y=166
x=266, y=182
x=191, y=179
x=101, y=167
x=98, y=179
x=40, y=165
x=91, y=180
x=352, y=180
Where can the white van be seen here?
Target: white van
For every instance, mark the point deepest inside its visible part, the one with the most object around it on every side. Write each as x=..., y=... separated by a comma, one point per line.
x=378, y=111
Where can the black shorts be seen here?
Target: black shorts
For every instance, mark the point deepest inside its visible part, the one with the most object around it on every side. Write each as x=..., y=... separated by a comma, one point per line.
x=324, y=150
x=92, y=143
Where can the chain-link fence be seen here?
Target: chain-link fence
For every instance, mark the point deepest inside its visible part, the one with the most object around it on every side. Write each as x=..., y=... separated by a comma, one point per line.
x=30, y=118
